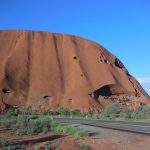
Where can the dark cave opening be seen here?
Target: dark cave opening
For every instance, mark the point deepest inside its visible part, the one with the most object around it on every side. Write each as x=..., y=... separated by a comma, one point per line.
x=6, y=91
x=103, y=91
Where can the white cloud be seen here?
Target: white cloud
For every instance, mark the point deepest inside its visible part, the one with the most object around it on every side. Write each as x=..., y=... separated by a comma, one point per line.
x=144, y=80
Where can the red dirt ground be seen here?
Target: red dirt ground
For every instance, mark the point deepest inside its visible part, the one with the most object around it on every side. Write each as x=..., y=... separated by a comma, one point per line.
x=66, y=142
x=57, y=141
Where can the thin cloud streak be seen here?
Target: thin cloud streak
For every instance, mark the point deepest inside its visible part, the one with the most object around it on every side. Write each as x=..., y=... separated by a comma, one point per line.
x=144, y=80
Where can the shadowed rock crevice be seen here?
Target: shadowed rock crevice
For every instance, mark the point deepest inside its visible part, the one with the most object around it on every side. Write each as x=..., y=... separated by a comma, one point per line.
x=6, y=90
x=75, y=57
x=103, y=91
x=119, y=64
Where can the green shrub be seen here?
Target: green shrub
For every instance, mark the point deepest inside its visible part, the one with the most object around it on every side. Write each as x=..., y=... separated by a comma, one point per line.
x=64, y=111
x=42, y=124
x=70, y=130
x=10, y=113
x=48, y=112
x=49, y=148
x=84, y=114
x=4, y=143
x=143, y=112
x=22, y=121
x=126, y=113
x=85, y=147
x=27, y=111
x=37, y=147
x=10, y=146
x=59, y=148
x=35, y=125
x=75, y=112
x=8, y=119
x=58, y=128
x=112, y=111
x=124, y=100
x=7, y=122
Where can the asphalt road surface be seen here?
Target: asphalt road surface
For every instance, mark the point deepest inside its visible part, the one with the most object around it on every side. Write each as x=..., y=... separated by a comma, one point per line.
x=137, y=127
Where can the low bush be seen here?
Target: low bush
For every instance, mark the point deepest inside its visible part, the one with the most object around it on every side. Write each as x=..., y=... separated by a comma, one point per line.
x=49, y=148
x=8, y=119
x=43, y=124
x=48, y=112
x=4, y=143
x=10, y=146
x=124, y=100
x=143, y=112
x=126, y=113
x=33, y=125
x=37, y=147
x=70, y=130
x=75, y=112
x=27, y=111
x=8, y=122
x=85, y=147
x=64, y=111
x=112, y=111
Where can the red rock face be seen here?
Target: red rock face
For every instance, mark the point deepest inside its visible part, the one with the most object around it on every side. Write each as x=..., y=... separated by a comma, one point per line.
x=47, y=70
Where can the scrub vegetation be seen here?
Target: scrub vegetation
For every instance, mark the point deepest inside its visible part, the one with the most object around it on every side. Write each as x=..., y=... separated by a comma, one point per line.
x=35, y=124
x=113, y=112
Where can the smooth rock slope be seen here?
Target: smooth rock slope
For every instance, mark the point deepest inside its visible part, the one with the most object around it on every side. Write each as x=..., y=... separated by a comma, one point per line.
x=47, y=70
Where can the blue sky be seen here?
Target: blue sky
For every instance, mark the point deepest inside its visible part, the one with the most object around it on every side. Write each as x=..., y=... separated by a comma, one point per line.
x=121, y=26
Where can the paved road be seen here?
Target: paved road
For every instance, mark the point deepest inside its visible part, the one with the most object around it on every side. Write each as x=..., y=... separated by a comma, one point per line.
x=137, y=127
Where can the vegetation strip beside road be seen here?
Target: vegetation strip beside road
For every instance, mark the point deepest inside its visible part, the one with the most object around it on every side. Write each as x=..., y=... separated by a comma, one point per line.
x=32, y=125
x=138, y=127
x=27, y=121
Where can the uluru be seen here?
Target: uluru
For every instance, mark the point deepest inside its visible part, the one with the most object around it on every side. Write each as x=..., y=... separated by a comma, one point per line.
x=49, y=70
